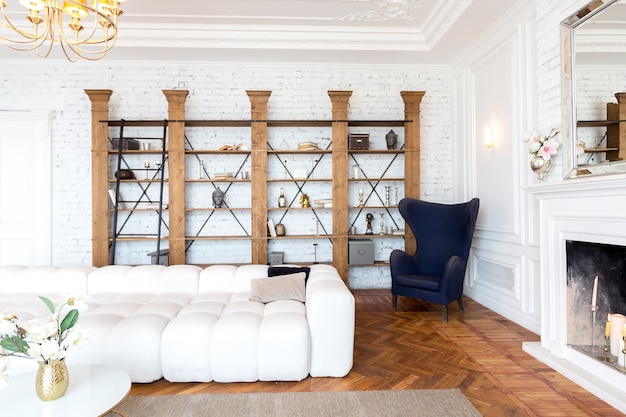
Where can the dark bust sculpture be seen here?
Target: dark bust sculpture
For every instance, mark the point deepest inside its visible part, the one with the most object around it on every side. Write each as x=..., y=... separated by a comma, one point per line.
x=392, y=139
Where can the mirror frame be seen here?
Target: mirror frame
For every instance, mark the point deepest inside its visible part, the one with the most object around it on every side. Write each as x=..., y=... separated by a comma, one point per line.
x=568, y=85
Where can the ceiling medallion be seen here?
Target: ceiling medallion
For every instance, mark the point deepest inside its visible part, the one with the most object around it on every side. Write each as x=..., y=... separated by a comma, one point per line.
x=387, y=10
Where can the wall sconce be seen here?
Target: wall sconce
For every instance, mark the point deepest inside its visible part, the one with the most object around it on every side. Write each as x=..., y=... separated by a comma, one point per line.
x=490, y=137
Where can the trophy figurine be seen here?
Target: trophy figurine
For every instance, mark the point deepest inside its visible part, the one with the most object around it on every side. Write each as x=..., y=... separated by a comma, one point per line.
x=370, y=218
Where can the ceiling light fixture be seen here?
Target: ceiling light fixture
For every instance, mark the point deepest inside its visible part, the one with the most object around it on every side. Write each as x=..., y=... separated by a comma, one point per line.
x=61, y=21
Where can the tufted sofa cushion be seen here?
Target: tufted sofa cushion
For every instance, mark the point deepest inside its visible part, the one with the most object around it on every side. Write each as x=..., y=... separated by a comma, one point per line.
x=190, y=324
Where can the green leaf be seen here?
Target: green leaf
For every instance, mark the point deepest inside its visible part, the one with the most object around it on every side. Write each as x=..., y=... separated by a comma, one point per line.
x=14, y=344
x=48, y=303
x=70, y=320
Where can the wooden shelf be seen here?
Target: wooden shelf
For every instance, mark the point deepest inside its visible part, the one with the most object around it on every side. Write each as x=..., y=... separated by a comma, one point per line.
x=258, y=123
x=376, y=263
x=598, y=123
x=230, y=237
x=137, y=180
x=298, y=208
x=137, y=152
x=376, y=151
x=375, y=179
x=598, y=150
x=144, y=237
x=373, y=236
x=372, y=207
x=377, y=123
x=211, y=180
x=301, y=237
x=300, y=180
x=217, y=209
x=299, y=152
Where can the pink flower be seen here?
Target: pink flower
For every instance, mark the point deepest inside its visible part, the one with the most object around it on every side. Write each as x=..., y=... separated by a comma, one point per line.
x=549, y=148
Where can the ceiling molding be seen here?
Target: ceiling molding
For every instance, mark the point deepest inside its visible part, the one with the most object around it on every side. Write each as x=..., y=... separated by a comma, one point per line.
x=345, y=31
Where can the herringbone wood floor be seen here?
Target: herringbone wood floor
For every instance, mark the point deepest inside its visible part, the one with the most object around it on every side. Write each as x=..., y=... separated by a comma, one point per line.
x=477, y=351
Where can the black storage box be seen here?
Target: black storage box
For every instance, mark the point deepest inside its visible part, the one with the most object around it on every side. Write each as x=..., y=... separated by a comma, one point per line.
x=358, y=141
x=127, y=144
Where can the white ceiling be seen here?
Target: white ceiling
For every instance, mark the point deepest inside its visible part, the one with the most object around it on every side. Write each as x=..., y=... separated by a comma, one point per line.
x=350, y=31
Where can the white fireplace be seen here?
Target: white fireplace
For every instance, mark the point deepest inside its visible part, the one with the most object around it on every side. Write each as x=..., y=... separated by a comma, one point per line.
x=586, y=210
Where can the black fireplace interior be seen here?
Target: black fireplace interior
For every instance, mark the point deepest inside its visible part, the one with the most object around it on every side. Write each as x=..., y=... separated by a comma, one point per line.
x=585, y=260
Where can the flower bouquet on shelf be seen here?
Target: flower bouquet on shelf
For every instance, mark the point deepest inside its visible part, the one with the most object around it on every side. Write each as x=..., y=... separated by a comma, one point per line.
x=542, y=147
x=48, y=343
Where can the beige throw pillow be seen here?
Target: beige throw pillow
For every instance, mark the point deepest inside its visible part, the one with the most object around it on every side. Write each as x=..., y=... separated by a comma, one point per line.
x=281, y=287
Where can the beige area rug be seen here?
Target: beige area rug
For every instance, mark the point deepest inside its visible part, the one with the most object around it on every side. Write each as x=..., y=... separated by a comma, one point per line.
x=401, y=403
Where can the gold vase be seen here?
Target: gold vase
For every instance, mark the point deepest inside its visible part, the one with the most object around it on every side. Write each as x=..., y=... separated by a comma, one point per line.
x=52, y=380
x=540, y=166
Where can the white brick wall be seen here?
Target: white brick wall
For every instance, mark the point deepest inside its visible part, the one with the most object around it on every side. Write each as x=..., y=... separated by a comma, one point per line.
x=216, y=91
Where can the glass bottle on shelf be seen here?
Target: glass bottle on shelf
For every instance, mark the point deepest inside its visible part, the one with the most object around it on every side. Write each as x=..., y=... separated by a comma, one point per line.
x=282, y=201
x=355, y=171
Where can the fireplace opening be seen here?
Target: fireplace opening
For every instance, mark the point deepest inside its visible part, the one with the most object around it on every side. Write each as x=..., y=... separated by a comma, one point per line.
x=585, y=261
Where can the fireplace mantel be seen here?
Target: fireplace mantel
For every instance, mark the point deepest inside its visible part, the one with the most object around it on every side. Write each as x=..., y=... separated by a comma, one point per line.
x=589, y=210
x=578, y=187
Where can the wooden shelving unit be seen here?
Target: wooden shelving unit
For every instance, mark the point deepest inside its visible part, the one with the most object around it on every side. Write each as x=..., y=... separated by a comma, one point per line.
x=258, y=153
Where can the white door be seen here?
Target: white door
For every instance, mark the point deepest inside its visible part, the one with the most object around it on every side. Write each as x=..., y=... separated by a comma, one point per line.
x=25, y=218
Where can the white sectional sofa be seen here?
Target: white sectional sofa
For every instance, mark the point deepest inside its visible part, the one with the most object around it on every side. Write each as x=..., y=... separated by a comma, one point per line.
x=186, y=323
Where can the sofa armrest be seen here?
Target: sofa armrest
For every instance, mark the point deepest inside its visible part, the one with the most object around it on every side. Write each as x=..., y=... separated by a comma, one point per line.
x=330, y=314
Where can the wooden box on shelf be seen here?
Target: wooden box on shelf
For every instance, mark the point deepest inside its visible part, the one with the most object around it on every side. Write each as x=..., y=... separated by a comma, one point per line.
x=358, y=141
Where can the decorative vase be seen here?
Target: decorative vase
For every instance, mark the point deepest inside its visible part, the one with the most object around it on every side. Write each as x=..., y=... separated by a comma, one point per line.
x=540, y=166
x=52, y=380
x=280, y=229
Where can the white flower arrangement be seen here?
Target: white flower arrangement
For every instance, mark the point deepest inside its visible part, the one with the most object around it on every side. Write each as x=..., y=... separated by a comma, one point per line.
x=42, y=341
x=543, y=145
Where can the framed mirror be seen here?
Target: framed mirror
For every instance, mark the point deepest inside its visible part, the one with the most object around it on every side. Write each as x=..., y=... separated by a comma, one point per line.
x=593, y=54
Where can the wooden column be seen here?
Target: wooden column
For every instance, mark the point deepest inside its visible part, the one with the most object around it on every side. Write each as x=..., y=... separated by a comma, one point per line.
x=176, y=178
x=258, y=186
x=412, y=100
x=99, y=176
x=340, y=101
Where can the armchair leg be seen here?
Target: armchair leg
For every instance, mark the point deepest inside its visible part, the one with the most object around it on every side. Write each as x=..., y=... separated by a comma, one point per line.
x=460, y=300
x=394, y=301
x=445, y=314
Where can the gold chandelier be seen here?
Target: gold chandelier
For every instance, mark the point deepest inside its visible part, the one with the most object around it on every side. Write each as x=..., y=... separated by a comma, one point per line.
x=62, y=21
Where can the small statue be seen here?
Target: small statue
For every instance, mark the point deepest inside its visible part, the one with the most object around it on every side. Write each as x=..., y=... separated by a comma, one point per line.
x=392, y=139
x=218, y=198
x=370, y=218
x=304, y=201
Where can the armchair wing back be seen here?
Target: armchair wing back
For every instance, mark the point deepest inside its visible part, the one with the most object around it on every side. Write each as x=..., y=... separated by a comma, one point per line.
x=443, y=235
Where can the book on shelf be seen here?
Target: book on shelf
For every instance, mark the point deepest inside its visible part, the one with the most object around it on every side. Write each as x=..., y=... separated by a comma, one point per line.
x=271, y=227
x=324, y=202
x=113, y=198
x=308, y=146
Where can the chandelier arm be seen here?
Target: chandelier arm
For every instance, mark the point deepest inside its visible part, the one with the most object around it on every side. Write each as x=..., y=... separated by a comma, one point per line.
x=93, y=45
x=8, y=24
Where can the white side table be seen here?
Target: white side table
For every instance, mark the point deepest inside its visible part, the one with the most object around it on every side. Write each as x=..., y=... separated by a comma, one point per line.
x=94, y=390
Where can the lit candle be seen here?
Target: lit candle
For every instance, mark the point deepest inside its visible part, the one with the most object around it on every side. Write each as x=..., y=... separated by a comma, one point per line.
x=594, y=297
x=607, y=328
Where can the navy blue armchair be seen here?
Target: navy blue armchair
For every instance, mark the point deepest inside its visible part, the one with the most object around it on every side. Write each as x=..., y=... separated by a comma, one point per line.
x=436, y=271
